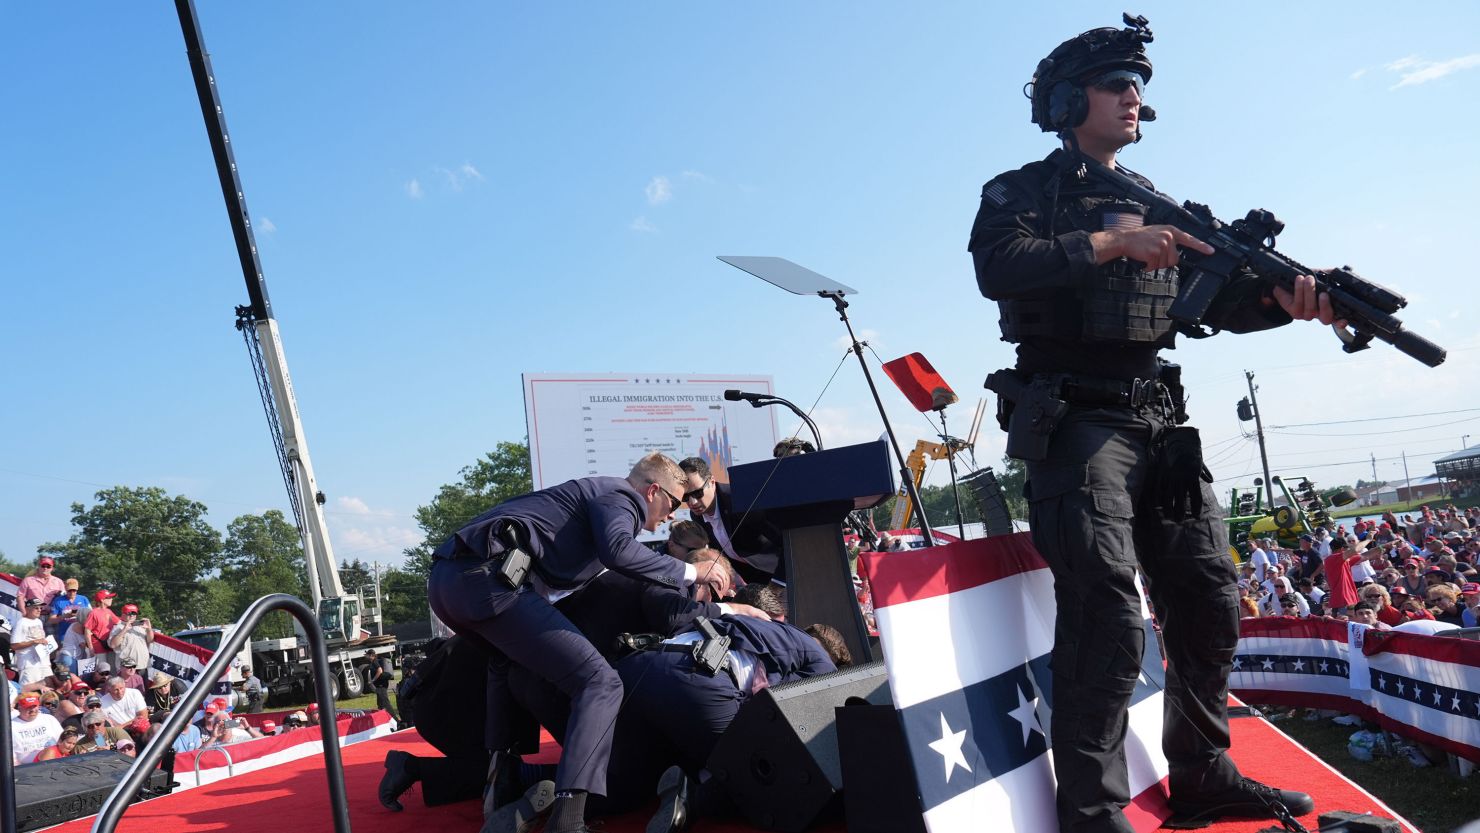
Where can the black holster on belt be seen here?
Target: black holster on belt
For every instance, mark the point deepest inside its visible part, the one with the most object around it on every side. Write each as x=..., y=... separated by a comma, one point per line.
x=1028, y=411
x=515, y=562
x=1170, y=376
x=711, y=652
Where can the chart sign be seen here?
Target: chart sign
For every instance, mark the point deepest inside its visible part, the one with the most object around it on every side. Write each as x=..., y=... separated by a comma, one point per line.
x=597, y=423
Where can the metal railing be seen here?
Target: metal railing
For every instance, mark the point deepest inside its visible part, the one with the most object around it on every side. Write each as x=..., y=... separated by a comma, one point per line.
x=149, y=758
x=230, y=767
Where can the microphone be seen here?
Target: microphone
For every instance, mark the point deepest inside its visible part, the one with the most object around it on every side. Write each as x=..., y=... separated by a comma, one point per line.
x=1148, y=113
x=741, y=396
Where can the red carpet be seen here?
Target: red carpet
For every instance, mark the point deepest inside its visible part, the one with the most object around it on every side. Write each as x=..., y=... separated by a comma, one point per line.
x=294, y=796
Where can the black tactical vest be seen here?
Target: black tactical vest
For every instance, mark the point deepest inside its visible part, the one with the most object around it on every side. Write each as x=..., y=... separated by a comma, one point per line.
x=1124, y=305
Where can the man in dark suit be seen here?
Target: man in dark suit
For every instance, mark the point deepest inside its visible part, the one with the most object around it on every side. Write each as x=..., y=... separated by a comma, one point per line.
x=570, y=532
x=752, y=545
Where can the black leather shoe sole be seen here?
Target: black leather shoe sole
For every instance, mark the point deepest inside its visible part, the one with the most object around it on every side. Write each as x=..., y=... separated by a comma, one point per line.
x=673, y=803
x=1240, y=807
x=396, y=779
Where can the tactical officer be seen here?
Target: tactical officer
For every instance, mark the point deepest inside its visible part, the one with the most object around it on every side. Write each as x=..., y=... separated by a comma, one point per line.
x=1084, y=286
x=495, y=582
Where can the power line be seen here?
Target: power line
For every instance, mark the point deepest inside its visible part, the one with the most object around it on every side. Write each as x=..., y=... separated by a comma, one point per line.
x=1378, y=419
x=1378, y=433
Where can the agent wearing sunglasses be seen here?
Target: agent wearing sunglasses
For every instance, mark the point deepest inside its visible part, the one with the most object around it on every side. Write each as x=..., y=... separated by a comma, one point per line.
x=1084, y=284
x=570, y=532
x=752, y=545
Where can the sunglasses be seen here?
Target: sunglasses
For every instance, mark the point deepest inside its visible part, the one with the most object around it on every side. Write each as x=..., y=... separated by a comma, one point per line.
x=674, y=503
x=1119, y=81
x=697, y=494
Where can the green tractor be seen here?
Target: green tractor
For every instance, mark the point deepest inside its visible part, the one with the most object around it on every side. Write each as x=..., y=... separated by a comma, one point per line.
x=1253, y=513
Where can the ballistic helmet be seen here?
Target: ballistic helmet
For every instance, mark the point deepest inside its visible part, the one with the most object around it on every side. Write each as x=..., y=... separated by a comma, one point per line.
x=1058, y=86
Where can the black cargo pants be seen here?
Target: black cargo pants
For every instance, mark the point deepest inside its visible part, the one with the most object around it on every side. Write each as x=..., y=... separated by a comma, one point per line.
x=1094, y=518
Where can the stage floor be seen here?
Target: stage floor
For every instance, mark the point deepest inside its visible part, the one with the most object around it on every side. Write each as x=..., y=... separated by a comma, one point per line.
x=293, y=796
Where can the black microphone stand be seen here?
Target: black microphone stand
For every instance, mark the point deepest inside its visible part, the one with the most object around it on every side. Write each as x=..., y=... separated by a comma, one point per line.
x=904, y=469
x=776, y=400
x=952, y=446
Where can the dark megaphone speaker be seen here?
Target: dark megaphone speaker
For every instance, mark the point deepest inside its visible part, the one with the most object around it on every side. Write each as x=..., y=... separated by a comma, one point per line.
x=992, y=503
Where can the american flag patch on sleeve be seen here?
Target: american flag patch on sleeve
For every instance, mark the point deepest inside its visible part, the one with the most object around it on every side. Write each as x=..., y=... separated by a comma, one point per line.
x=996, y=191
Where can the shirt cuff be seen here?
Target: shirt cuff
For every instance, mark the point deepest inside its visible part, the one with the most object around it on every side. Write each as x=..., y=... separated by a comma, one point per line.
x=690, y=574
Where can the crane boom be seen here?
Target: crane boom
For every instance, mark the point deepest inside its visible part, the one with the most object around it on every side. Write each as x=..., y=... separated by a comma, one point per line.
x=260, y=331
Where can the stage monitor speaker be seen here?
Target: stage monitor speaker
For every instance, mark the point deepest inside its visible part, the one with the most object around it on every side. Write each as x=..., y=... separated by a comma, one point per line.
x=779, y=758
x=51, y=792
x=996, y=519
x=881, y=796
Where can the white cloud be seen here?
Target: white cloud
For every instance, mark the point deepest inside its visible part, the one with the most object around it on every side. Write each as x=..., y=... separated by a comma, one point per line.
x=1359, y=73
x=697, y=176
x=1414, y=70
x=469, y=172
x=373, y=541
x=659, y=190
x=352, y=505
x=460, y=177
x=266, y=226
x=642, y=224
x=413, y=189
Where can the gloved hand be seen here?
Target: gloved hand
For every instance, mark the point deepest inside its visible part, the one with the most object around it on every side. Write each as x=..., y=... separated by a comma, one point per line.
x=1180, y=473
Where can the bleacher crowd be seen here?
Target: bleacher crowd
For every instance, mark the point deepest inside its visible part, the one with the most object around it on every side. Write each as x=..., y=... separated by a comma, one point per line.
x=1414, y=573
x=79, y=678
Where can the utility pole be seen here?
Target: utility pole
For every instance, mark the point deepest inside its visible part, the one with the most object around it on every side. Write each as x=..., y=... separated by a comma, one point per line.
x=379, y=620
x=1374, y=468
x=1406, y=479
x=1259, y=429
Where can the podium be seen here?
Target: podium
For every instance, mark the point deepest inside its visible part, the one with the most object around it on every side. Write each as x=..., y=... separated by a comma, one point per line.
x=807, y=496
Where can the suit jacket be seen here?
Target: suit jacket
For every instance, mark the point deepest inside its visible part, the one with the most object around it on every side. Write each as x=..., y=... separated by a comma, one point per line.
x=785, y=651
x=572, y=530
x=613, y=604
x=756, y=540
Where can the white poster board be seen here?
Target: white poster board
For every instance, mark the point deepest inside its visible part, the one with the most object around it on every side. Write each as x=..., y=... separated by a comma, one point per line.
x=583, y=424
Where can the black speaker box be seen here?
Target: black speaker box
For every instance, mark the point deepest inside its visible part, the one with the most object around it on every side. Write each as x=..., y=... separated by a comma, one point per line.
x=990, y=501
x=51, y=792
x=779, y=760
x=881, y=796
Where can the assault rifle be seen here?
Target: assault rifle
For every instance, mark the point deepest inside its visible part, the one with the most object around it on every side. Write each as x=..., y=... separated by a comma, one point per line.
x=1367, y=307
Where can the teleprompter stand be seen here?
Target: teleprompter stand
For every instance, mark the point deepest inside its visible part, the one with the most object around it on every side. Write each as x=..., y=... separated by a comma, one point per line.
x=799, y=280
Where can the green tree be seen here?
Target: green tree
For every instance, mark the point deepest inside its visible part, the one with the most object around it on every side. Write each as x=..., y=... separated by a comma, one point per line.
x=354, y=575
x=499, y=475
x=1012, y=477
x=263, y=554
x=403, y=597
x=219, y=604
x=150, y=547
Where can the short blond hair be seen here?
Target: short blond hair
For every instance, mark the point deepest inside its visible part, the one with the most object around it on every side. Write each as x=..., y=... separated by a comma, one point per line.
x=657, y=468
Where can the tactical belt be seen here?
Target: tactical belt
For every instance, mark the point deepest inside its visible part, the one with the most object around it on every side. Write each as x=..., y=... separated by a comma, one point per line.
x=1086, y=390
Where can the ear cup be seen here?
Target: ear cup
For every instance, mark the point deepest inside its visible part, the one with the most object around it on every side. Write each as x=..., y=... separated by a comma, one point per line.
x=1067, y=105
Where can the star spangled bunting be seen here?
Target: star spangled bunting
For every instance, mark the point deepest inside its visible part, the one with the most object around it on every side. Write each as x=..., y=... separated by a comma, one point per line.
x=1456, y=702
x=953, y=759
x=1289, y=664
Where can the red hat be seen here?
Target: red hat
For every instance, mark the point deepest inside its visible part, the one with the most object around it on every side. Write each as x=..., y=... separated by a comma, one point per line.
x=46, y=561
x=130, y=608
x=104, y=594
x=212, y=708
x=1469, y=587
x=313, y=707
x=26, y=701
x=221, y=704
x=268, y=727
x=1398, y=590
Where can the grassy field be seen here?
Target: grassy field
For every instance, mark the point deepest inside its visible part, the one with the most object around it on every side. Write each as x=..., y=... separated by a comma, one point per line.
x=1400, y=508
x=1430, y=797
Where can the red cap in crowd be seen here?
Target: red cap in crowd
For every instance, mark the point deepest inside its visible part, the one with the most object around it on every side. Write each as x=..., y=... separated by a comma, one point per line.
x=268, y=727
x=46, y=562
x=1470, y=587
x=313, y=708
x=211, y=708
x=130, y=608
x=28, y=701
x=104, y=594
x=1398, y=590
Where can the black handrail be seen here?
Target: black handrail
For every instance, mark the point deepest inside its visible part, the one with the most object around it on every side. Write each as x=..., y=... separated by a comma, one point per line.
x=7, y=765
x=118, y=801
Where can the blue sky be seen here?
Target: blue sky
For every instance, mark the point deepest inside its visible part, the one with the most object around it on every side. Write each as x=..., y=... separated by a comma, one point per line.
x=448, y=196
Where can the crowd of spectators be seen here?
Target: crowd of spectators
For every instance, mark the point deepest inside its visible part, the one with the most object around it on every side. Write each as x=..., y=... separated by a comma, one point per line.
x=1414, y=573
